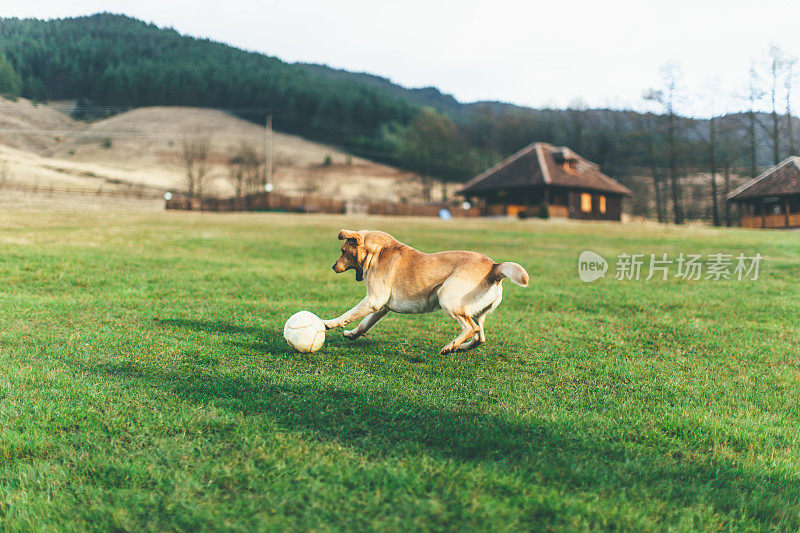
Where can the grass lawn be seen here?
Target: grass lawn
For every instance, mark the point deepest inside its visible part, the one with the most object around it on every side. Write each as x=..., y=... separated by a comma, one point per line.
x=145, y=384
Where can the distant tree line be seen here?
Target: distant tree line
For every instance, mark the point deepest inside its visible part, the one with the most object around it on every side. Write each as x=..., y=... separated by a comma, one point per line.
x=110, y=63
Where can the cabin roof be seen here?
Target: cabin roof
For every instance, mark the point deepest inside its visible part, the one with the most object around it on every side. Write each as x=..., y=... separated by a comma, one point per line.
x=781, y=180
x=540, y=164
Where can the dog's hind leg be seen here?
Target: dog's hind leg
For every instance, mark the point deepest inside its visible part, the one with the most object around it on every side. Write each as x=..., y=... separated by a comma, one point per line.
x=480, y=337
x=469, y=329
x=365, y=325
x=453, y=301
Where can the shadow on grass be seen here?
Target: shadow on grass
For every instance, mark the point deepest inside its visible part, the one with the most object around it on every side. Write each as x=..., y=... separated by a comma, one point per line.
x=264, y=341
x=207, y=326
x=565, y=454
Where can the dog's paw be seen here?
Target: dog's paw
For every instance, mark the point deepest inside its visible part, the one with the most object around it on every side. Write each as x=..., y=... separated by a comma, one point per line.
x=329, y=324
x=350, y=334
x=446, y=350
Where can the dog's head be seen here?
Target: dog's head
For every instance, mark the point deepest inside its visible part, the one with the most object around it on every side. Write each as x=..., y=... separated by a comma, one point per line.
x=359, y=249
x=353, y=253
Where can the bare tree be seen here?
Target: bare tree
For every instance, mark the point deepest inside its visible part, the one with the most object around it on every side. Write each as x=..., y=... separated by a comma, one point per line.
x=712, y=167
x=775, y=69
x=789, y=65
x=667, y=96
x=712, y=144
x=753, y=95
x=236, y=175
x=195, y=152
x=648, y=127
x=672, y=141
x=246, y=170
x=727, y=165
x=253, y=167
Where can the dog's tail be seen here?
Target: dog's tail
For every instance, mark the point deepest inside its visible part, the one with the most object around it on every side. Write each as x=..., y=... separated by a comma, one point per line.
x=509, y=270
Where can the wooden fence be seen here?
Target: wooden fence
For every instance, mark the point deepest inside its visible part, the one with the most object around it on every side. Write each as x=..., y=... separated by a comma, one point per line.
x=132, y=192
x=259, y=202
x=313, y=204
x=771, y=221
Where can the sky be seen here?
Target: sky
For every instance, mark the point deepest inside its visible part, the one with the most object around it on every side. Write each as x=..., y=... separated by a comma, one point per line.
x=554, y=54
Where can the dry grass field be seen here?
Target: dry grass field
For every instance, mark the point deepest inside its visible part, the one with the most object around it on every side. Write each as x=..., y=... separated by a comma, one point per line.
x=40, y=144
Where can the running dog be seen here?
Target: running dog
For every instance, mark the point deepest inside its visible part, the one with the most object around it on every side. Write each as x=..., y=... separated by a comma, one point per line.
x=467, y=285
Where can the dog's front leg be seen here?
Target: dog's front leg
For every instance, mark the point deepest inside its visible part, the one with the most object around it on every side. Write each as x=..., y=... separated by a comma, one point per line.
x=365, y=307
x=365, y=325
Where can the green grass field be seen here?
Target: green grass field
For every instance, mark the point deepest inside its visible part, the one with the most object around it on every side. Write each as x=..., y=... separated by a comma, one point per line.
x=145, y=384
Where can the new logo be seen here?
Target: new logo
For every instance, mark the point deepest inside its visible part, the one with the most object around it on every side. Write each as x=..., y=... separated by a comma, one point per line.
x=591, y=266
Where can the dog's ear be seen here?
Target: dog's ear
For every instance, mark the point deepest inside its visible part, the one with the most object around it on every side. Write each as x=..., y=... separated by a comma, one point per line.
x=375, y=241
x=353, y=237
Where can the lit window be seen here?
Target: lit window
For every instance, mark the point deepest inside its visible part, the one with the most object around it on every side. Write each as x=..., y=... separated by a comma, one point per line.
x=602, y=204
x=586, y=202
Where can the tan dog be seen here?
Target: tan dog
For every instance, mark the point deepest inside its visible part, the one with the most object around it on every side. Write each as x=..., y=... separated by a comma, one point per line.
x=467, y=285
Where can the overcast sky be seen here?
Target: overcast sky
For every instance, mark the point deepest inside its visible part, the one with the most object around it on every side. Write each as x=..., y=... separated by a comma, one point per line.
x=606, y=53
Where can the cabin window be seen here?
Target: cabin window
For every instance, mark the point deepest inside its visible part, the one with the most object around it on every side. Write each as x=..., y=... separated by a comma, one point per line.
x=570, y=164
x=586, y=202
x=602, y=204
x=771, y=206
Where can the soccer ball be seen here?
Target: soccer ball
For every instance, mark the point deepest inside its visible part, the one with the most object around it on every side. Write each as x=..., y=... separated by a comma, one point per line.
x=305, y=332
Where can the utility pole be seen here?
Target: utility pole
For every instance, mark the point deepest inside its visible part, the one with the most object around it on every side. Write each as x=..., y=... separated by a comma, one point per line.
x=268, y=185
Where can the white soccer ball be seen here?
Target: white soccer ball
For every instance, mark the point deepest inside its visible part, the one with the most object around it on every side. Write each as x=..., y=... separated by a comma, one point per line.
x=305, y=332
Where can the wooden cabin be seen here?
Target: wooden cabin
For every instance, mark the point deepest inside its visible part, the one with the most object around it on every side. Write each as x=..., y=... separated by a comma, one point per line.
x=772, y=199
x=571, y=186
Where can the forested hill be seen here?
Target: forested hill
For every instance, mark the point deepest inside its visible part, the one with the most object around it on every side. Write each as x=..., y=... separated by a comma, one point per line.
x=113, y=62
x=425, y=96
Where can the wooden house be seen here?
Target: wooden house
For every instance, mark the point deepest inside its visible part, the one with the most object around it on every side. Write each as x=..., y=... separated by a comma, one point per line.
x=571, y=186
x=772, y=199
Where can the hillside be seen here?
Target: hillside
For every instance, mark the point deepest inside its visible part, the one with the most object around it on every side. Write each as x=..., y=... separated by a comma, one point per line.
x=426, y=96
x=40, y=144
x=116, y=62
